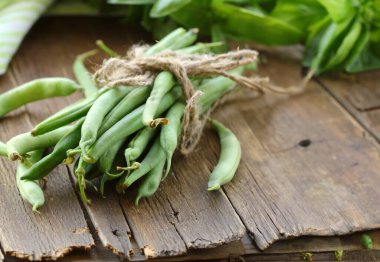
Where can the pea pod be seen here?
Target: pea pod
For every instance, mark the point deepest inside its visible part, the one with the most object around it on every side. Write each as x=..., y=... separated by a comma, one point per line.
x=155, y=156
x=151, y=182
x=49, y=162
x=36, y=90
x=229, y=159
x=30, y=191
x=170, y=133
x=127, y=126
x=21, y=144
x=83, y=76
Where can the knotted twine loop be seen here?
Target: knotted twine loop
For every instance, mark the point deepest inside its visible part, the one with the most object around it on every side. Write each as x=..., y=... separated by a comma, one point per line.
x=135, y=69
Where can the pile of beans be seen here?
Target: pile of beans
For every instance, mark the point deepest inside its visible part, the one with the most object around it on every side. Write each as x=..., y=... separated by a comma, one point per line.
x=122, y=133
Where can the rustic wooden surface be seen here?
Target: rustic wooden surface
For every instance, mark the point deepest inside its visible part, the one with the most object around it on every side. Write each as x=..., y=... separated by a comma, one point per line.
x=308, y=168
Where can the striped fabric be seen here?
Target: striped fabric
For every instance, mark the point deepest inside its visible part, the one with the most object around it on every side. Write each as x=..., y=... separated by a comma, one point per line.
x=16, y=18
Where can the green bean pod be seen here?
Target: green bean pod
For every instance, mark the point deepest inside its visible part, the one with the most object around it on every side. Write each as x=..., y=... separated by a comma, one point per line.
x=366, y=241
x=153, y=158
x=200, y=48
x=67, y=115
x=83, y=76
x=132, y=100
x=30, y=191
x=3, y=149
x=151, y=182
x=162, y=84
x=96, y=114
x=21, y=144
x=138, y=144
x=49, y=162
x=126, y=126
x=36, y=90
x=185, y=40
x=229, y=158
x=106, y=49
x=165, y=42
x=170, y=133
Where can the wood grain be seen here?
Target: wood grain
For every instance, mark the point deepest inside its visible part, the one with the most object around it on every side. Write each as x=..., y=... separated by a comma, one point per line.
x=306, y=167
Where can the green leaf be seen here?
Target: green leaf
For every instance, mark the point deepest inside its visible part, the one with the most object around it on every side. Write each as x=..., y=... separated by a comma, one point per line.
x=131, y=2
x=245, y=24
x=363, y=58
x=166, y=7
x=339, y=10
x=345, y=47
x=299, y=13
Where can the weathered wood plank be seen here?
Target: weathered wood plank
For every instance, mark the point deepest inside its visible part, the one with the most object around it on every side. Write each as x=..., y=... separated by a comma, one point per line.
x=306, y=168
x=360, y=95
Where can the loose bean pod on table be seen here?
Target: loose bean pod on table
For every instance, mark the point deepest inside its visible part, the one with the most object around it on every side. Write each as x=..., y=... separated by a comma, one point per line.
x=36, y=90
x=29, y=190
x=127, y=126
x=230, y=155
x=153, y=158
x=170, y=133
x=83, y=76
x=21, y=144
x=49, y=162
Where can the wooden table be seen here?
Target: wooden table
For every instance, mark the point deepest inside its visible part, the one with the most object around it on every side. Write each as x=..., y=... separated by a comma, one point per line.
x=309, y=170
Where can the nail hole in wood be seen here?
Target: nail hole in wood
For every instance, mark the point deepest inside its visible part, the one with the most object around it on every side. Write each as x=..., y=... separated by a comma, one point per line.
x=115, y=232
x=304, y=143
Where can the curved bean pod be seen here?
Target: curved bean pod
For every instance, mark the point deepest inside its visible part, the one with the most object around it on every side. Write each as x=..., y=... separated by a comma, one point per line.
x=3, y=149
x=126, y=126
x=170, y=133
x=153, y=157
x=138, y=144
x=229, y=158
x=151, y=182
x=49, y=162
x=36, y=90
x=83, y=76
x=21, y=144
x=30, y=191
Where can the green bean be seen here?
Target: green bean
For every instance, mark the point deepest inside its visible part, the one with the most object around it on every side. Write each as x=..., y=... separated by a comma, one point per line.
x=96, y=114
x=36, y=90
x=229, y=158
x=3, y=149
x=67, y=115
x=80, y=172
x=366, y=242
x=200, y=48
x=162, y=84
x=153, y=158
x=151, y=182
x=106, y=49
x=21, y=144
x=185, y=40
x=132, y=100
x=49, y=162
x=165, y=42
x=30, y=191
x=170, y=133
x=126, y=126
x=138, y=144
x=83, y=75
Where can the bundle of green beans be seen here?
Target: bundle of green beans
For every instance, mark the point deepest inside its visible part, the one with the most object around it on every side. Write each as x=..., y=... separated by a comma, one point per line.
x=122, y=133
